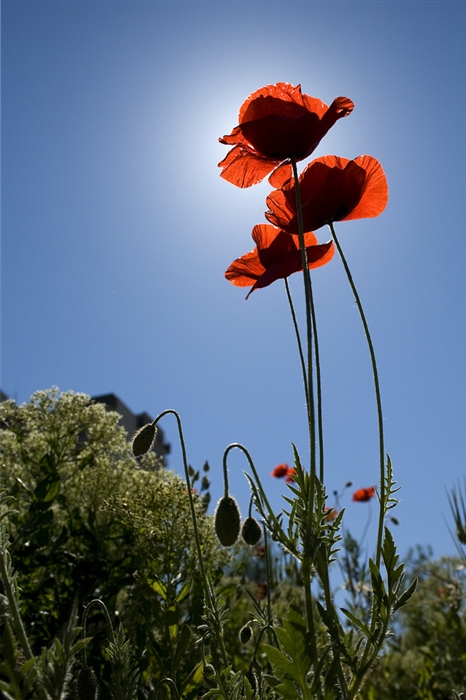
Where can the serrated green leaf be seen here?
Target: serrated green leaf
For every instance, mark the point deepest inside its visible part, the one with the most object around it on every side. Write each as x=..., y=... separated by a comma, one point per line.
x=359, y=624
x=405, y=596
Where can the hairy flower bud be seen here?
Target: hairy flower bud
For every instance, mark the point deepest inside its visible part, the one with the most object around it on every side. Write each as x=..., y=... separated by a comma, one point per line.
x=88, y=684
x=227, y=521
x=251, y=531
x=144, y=439
x=245, y=634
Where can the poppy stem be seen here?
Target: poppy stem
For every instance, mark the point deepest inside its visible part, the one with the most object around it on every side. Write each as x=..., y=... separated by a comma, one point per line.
x=309, y=326
x=298, y=340
x=378, y=399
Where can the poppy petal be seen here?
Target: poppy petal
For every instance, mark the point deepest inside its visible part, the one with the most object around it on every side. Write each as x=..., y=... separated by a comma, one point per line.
x=317, y=255
x=332, y=189
x=245, y=270
x=375, y=195
x=281, y=175
x=254, y=107
x=243, y=168
x=276, y=123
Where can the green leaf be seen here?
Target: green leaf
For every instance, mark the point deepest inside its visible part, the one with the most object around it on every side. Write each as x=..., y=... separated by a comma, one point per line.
x=48, y=489
x=405, y=596
x=359, y=624
x=291, y=666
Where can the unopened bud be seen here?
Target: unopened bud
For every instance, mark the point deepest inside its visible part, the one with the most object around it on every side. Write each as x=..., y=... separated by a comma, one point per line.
x=251, y=531
x=144, y=439
x=245, y=634
x=88, y=684
x=227, y=521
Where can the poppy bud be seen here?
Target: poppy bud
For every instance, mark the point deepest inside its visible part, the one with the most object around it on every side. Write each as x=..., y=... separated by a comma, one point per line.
x=144, y=439
x=251, y=532
x=227, y=521
x=88, y=684
x=245, y=634
x=209, y=670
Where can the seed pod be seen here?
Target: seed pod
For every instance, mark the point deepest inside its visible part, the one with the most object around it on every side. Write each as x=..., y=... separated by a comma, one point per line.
x=251, y=531
x=144, y=439
x=209, y=670
x=227, y=521
x=245, y=634
x=88, y=684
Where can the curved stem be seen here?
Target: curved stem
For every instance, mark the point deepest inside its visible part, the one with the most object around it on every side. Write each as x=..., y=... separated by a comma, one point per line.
x=382, y=496
x=378, y=399
x=210, y=601
x=298, y=340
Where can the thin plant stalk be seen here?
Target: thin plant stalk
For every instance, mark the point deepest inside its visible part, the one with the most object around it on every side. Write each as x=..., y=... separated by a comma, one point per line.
x=378, y=399
x=207, y=587
x=298, y=340
x=304, y=372
x=308, y=301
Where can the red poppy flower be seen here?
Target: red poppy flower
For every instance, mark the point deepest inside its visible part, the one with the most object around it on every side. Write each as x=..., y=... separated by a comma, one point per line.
x=280, y=471
x=330, y=514
x=289, y=475
x=275, y=124
x=332, y=189
x=261, y=590
x=363, y=495
x=275, y=256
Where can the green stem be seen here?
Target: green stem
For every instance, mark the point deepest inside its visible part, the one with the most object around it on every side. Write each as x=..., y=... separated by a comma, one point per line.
x=320, y=425
x=378, y=399
x=310, y=326
x=367, y=657
x=10, y=592
x=210, y=600
x=308, y=301
x=298, y=340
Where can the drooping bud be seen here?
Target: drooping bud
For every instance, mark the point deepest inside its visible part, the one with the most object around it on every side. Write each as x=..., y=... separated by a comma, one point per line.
x=227, y=521
x=88, y=684
x=144, y=439
x=251, y=531
x=245, y=634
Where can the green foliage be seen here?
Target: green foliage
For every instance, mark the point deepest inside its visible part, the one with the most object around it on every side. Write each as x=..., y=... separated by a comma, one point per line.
x=91, y=521
x=426, y=656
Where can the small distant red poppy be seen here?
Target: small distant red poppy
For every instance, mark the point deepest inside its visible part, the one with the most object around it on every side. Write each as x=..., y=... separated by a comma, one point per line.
x=289, y=475
x=332, y=189
x=280, y=471
x=330, y=514
x=362, y=495
x=276, y=123
x=261, y=590
x=275, y=256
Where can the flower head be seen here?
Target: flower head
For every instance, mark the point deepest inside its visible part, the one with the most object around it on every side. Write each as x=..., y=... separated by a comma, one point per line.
x=275, y=256
x=330, y=514
x=363, y=495
x=277, y=123
x=280, y=471
x=289, y=475
x=332, y=189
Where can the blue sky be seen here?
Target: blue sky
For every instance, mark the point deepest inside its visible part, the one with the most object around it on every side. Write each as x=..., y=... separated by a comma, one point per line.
x=117, y=230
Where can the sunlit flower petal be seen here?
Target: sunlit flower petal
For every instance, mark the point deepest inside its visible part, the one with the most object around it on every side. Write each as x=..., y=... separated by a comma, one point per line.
x=277, y=123
x=332, y=189
x=275, y=256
